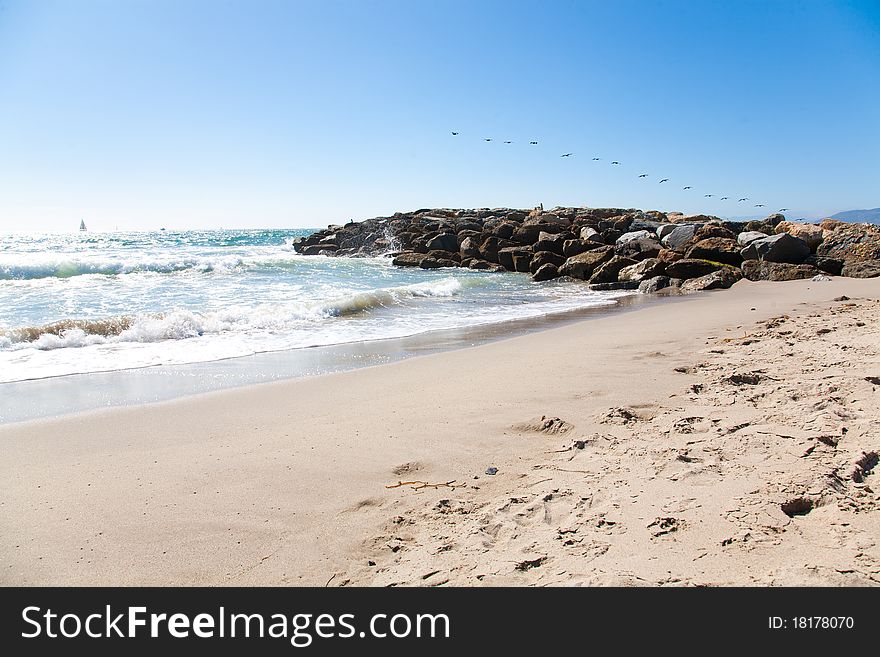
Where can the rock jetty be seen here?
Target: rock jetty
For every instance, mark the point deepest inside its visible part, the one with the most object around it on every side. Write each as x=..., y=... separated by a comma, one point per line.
x=611, y=248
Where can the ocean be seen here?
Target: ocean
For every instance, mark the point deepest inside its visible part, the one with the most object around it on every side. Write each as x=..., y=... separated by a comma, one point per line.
x=78, y=303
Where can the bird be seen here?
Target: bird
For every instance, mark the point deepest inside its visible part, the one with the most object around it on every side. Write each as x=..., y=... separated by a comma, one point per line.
x=533, y=143
x=596, y=159
x=508, y=142
x=615, y=162
x=783, y=209
x=708, y=195
x=688, y=187
x=724, y=198
x=742, y=199
x=487, y=140
x=643, y=175
x=567, y=154
x=454, y=134
x=759, y=205
x=663, y=181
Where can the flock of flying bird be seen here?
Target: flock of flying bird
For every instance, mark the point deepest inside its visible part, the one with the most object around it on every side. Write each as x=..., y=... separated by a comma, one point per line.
x=642, y=175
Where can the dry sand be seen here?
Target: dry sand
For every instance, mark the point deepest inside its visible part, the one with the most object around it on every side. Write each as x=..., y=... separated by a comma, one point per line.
x=689, y=429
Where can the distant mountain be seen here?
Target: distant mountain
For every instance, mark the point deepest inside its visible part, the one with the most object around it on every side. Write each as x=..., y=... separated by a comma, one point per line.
x=867, y=216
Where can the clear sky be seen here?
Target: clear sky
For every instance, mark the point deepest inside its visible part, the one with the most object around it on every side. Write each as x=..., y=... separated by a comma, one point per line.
x=232, y=114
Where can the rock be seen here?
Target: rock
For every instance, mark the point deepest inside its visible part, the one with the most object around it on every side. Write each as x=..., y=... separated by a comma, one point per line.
x=678, y=238
x=582, y=265
x=651, y=285
x=542, y=258
x=642, y=270
x=851, y=242
x=664, y=229
x=861, y=269
x=591, y=235
x=522, y=261
x=691, y=268
x=608, y=271
x=504, y=231
x=774, y=219
x=490, y=247
x=319, y=249
x=668, y=255
x=616, y=285
x=761, y=270
x=430, y=262
x=491, y=470
x=484, y=265
x=716, y=249
x=717, y=280
x=443, y=242
x=714, y=230
x=546, y=272
x=470, y=247
x=777, y=248
x=507, y=254
x=574, y=247
x=832, y=224
x=831, y=266
x=408, y=259
x=749, y=236
x=811, y=234
x=554, y=244
x=638, y=245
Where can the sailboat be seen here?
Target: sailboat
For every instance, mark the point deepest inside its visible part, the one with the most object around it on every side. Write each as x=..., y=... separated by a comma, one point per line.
x=82, y=225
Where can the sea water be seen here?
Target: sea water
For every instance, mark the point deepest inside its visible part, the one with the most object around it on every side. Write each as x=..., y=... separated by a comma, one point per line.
x=76, y=303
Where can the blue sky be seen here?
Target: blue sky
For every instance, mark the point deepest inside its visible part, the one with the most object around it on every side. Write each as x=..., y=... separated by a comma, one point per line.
x=207, y=114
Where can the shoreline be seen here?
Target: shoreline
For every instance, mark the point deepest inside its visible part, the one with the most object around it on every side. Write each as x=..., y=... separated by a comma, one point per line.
x=287, y=483
x=102, y=390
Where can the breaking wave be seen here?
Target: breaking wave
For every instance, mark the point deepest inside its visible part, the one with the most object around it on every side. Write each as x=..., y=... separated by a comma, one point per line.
x=183, y=324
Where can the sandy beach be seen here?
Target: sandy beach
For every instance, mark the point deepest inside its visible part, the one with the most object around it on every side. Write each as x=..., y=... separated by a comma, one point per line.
x=719, y=439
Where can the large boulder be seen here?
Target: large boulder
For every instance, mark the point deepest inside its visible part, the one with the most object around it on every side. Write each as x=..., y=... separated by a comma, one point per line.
x=851, y=242
x=443, y=242
x=408, y=259
x=506, y=256
x=777, y=248
x=664, y=229
x=831, y=266
x=573, y=247
x=811, y=234
x=470, y=247
x=747, y=237
x=546, y=272
x=638, y=245
x=609, y=271
x=548, y=242
x=542, y=258
x=651, y=285
x=589, y=234
x=640, y=271
x=717, y=249
x=861, y=269
x=713, y=229
x=582, y=265
x=761, y=270
x=691, y=268
x=484, y=265
x=717, y=280
x=677, y=239
x=432, y=262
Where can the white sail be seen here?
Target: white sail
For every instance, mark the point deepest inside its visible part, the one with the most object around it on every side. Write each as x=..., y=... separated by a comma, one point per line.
x=82, y=224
